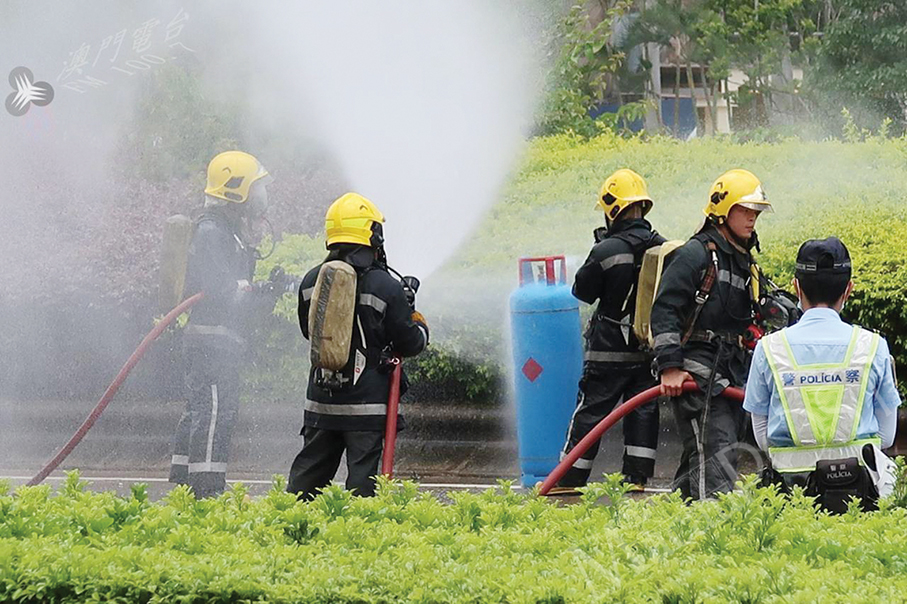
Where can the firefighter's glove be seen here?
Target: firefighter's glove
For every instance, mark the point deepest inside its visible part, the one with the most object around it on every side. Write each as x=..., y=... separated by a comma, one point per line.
x=417, y=317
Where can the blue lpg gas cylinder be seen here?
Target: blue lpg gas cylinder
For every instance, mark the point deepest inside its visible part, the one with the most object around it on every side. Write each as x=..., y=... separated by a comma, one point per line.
x=548, y=361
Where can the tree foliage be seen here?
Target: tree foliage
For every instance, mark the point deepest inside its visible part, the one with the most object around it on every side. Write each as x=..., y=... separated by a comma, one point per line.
x=585, y=58
x=863, y=61
x=850, y=52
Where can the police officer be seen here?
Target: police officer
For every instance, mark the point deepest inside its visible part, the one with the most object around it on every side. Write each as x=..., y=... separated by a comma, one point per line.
x=352, y=417
x=700, y=319
x=221, y=265
x=614, y=366
x=823, y=390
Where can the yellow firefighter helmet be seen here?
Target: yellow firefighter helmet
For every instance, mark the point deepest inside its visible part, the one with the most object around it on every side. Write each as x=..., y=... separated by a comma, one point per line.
x=231, y=174
x=736, y=188
x=621, y=190
x=352, y=219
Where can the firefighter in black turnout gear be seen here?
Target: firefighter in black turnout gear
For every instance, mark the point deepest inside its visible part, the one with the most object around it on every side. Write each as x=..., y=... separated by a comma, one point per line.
x=703, y=322
x=346, y=410
x=221, y=265
x=615, y=367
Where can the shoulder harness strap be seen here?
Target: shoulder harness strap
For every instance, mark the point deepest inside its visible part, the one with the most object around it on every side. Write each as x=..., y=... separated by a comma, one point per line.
x=704, y=291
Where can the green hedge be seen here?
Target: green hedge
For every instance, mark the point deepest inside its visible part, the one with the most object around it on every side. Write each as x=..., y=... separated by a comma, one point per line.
x=875, y=238
x=851, y=189
x=855, y=190
x=406, y=546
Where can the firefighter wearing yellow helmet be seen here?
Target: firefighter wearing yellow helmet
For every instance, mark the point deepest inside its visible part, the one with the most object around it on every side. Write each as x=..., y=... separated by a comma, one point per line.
x=703, y=322
x=357, y=317
x=623, y=189
x=732, y=189
x=221, y=263
x=354, y=219
x=615, y=367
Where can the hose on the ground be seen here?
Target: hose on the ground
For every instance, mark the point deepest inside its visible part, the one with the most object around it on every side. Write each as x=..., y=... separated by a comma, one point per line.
x=113, y=388
x=735, y=394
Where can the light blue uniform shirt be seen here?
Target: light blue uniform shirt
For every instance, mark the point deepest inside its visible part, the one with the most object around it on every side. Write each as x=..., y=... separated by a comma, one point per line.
x=820, y=337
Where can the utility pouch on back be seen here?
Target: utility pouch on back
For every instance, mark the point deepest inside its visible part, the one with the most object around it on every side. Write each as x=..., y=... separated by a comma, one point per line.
x=332, y=312
x=835, y=481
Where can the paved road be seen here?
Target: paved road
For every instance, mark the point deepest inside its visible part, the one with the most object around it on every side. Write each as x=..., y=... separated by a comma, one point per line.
x=158, y=486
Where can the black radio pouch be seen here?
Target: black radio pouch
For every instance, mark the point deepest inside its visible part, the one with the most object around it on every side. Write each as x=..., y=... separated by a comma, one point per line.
x=835, y=481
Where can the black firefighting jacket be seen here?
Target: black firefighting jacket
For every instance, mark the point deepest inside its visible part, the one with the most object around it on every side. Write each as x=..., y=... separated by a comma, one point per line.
x=218, y=260
x=383, y=326
x=722, y=321
x=609, y=275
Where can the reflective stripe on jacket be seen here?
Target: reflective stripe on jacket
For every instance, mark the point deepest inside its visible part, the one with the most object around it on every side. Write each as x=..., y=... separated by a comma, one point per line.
x=609, y=276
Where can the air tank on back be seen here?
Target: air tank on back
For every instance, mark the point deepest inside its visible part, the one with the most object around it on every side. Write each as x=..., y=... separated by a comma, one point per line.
x=548, y=361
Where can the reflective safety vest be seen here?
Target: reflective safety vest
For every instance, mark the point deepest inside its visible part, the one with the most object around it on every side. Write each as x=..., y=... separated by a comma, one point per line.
x=822, y=402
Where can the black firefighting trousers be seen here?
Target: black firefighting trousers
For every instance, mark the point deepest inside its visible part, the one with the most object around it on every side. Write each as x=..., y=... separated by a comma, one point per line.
x=317, y=463
x=202, y=443
x=601, y=388
x=712, y=437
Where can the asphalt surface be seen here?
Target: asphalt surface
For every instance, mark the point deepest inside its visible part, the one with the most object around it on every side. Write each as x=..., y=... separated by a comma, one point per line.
x=448, y=445
x=158, y=486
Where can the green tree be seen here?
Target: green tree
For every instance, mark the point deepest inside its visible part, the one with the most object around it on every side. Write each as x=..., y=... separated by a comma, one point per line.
x=760, y=38
x=862, y=62
x=689, y=30
x=177, y=128
x=585, y=58
x=763, y=40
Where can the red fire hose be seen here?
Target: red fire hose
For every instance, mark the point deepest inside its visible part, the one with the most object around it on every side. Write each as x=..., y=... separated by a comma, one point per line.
x=390, y=429
x=603, y=426
x=113, y=388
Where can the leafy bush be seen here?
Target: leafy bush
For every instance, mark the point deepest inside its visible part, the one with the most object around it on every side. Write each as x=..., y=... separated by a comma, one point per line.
x=405, y=545
x=442, y=373
x=874, y=238
x=850, y=189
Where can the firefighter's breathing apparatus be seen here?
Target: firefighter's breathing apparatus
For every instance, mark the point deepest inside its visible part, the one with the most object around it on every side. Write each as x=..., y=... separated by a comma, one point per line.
x=339, y=362
x=332, y=313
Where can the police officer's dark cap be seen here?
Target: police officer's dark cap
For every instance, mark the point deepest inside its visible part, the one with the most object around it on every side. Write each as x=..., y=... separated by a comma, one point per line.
x=823, y=257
